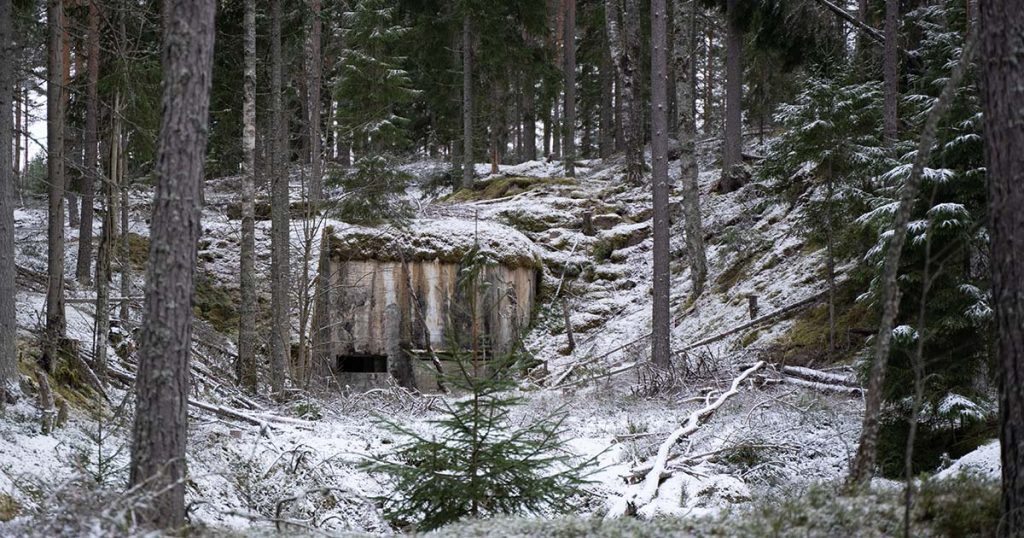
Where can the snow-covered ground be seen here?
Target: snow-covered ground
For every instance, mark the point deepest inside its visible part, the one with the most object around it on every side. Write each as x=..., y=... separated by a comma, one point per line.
x=302, y=463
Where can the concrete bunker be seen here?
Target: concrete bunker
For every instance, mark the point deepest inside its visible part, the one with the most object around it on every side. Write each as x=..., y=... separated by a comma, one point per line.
x=389, y=303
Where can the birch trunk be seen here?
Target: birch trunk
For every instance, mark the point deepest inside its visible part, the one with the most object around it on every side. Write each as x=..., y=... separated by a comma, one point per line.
x=686, y=129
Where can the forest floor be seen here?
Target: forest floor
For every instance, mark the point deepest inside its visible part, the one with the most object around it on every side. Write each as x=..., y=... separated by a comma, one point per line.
x=297, y=464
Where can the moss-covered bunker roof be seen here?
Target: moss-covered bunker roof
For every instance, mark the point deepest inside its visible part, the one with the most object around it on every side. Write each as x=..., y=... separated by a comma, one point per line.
x=446, y=240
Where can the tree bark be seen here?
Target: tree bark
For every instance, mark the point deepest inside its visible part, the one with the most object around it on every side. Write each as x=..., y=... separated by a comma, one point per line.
x=684, y=53
x=246, y=368
x=863, y=466
x=315, y=66
x=530, y=119
x=467, y=101
x=8, y=321
x=108, y=237
x=891, y=71
x=1002, y=73
x=661, y=316
x=279, y=235
x=161, y=418
x=91, y=153
x=569, y=72
x=606, y=144
x=55, y=320
x=732, y=147
x=624, y=46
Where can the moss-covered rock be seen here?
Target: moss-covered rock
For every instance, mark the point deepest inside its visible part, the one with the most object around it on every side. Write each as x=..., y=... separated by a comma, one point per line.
x=505, y=186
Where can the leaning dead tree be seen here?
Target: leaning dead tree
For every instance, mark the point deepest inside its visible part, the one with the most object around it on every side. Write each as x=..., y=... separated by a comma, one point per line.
x=863, y=466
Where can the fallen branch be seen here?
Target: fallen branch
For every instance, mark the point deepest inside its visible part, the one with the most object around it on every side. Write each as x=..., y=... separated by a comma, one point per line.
x=257, y=419
x=653, y=477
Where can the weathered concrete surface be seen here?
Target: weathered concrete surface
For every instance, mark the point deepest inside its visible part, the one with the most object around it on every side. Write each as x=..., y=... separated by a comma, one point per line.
x=364, y=272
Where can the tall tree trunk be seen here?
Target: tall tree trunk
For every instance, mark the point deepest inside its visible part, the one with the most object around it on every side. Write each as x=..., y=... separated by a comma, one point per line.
x=108, y=238
x=732, y=146
x=556, y=126
x=661, y=317
x=569, y=68
x=607, y=114
x=16, y=133
x=125, y=255
x=247, y=260
x=8, y=321
x=70, y=149
x=280, y=339
x=891, y=71
x=708, y=101
x=863, y=466
x=624, y=45
x=84, y=264
x=686, y=129
x=467, y=101
x=161, y=417
x=55, y=320
x=1002, y=71
x=314, y=93
x=530, y=118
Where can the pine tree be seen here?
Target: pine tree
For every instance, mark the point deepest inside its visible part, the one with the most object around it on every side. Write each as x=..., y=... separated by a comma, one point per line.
x=161, y=418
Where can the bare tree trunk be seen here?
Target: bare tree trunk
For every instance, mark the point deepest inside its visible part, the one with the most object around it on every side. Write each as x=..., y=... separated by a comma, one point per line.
x=89, y=162
x=732, y=146
x=624, y=46
x=569, y=129
x=315, y=68
x=607, y=114
x=686, y=66
x=8, y=321
x=863, y=466
x=467, y=101
x=108, y=237
x=709, y=82
x=1002, y=70
x=125, y=254
x=55, y=320
x=530, y=119
x=279, y=236
x=891, y=71
x=661, y=316
x=246, y=368
x=161, y=417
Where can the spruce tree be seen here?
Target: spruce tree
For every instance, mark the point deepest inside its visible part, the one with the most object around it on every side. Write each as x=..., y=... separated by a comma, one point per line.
x=373, y=87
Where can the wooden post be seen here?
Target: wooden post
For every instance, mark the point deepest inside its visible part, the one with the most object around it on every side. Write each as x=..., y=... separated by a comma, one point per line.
x=588, y=222
x=752, y=305
x=568, y=325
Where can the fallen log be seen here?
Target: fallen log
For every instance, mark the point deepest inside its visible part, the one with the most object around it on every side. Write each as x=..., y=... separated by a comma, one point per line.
x=819, y=376
x=823, y=387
